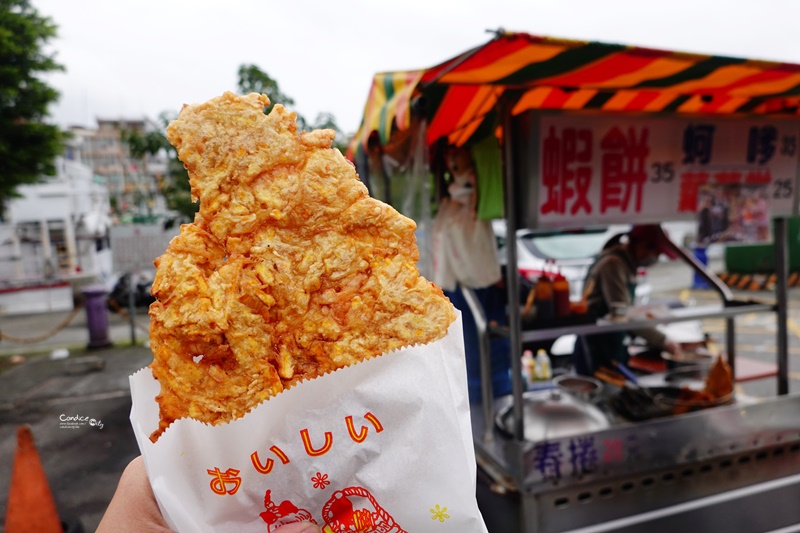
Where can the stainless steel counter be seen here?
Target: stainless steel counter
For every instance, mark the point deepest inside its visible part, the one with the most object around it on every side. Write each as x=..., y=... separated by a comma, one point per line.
x=632, y=469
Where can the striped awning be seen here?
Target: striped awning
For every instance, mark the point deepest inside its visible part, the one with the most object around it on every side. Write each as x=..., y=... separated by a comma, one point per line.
x=388, y=104
x=461, y=94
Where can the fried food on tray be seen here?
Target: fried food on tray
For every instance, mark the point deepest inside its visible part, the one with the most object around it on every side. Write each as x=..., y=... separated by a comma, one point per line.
x=689, y=400
x=719, y=381
x=718, y=387
x=289, y=271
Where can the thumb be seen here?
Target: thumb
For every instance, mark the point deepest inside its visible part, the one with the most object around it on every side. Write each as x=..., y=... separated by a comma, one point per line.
x=299, y=527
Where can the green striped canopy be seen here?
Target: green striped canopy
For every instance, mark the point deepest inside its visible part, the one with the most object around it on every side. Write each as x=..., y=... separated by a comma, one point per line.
x=461, y=94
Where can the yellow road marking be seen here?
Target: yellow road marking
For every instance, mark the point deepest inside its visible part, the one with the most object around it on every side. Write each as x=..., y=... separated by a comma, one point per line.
x=793, y=327
x=742, y=348
x=684, y=296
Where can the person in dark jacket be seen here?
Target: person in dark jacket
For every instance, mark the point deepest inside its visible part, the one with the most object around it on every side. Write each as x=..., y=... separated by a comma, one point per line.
x=612, y=281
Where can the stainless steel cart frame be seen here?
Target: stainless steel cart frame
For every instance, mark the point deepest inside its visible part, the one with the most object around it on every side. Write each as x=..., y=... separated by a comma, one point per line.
x=709, y=466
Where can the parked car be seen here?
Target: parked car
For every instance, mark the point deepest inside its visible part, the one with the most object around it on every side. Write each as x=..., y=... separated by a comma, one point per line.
x=570, y=253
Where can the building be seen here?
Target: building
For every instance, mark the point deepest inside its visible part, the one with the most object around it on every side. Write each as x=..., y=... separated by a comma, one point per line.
x=133, y=183
x=55, y=239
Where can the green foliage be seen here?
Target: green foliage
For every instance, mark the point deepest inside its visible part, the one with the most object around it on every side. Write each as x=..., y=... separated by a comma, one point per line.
x=28, y=146
x=177, y=191
x=254, y=80
x=141, y=145
x=328, y=121
x=175, y=185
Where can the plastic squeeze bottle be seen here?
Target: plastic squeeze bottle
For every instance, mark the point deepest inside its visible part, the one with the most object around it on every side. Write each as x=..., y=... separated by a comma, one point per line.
x=641, y=279
x=561, y=302
x=544, y=369
x=545, y=306
x=528, y=367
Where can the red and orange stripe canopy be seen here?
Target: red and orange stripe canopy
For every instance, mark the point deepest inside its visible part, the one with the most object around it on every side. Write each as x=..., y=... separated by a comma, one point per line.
x=461, y=94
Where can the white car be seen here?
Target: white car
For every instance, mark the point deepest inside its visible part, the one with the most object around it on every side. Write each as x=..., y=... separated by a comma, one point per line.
x=569, y=253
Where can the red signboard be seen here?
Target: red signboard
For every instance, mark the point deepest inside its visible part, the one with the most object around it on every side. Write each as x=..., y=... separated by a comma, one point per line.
x=609, y=169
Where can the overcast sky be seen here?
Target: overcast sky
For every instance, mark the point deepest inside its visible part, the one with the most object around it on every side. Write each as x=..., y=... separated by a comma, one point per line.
x=132, y=59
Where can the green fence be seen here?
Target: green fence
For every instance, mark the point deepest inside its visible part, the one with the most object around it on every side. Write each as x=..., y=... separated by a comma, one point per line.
x=760, y=258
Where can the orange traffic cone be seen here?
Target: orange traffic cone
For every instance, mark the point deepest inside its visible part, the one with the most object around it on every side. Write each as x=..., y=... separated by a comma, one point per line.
x=30, y=502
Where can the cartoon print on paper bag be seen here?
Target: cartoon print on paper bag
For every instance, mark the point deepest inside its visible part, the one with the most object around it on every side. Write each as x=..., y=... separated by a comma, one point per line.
x=355, y=510
x=284, y=513
x=352, y=510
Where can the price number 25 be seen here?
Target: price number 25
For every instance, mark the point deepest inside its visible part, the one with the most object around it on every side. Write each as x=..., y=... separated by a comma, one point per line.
x=782, y=189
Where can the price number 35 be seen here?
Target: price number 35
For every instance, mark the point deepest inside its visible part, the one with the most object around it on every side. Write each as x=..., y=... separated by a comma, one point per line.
x=662, y=172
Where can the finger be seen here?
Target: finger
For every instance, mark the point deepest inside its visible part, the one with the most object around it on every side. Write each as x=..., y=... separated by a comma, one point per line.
x=133, y=507
x=299, y=527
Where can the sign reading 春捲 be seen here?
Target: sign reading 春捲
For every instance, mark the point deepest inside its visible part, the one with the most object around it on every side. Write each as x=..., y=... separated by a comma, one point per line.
x=612, y=169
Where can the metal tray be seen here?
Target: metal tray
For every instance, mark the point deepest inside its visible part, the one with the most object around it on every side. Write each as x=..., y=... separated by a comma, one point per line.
x=551, y=415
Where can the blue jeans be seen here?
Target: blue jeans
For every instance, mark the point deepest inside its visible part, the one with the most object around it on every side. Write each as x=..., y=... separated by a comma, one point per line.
x=493, y=301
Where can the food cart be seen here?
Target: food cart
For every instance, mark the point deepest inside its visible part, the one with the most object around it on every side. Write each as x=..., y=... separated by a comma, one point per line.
x=593, y=133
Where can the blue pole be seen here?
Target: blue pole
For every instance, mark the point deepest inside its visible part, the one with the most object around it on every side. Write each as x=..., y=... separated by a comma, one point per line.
x=700, y=253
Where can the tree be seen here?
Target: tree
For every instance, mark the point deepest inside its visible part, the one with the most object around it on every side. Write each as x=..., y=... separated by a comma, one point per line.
x=328, y=121
x=28, y=146
x=175, y=185
x=254, y=80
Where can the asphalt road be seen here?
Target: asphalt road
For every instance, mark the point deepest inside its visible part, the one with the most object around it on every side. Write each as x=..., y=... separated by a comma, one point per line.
x=756, y=334
x=83, y=464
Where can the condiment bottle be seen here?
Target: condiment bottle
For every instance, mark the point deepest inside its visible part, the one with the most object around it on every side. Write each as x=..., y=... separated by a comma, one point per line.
x=545, y=307
x=641, y=279
x=544, y=370
x=528, y=368
x=561, y=296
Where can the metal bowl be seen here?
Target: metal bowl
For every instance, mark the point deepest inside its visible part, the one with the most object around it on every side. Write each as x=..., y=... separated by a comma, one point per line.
x=582, y=387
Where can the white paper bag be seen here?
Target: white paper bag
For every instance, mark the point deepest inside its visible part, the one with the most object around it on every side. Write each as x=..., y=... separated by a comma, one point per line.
x=384, y=445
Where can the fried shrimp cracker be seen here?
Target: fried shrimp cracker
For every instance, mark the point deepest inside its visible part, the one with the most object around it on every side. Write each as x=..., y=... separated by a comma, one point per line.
x=719, y=381
x=289, y=271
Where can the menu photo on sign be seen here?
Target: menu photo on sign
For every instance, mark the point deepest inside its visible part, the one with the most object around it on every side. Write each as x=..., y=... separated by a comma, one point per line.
x=736, y=213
